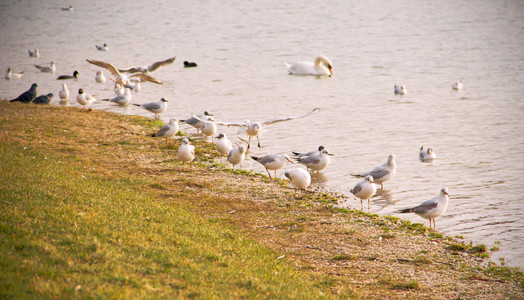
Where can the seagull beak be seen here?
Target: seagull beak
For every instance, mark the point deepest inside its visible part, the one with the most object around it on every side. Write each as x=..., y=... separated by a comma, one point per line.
x=290, y=161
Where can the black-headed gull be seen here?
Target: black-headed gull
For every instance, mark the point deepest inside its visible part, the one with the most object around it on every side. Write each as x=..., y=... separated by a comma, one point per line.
x=47, y=69
x=384, y=172
x=149, y=68
x=364, y=190
x=272, y=162
x=168, y=130
x=186, y=152
x=104, y=47
x=65, y=77
x=321, y=66
x=134, y=85
x=300, y=154
x=64, y=95
x=27, y=96
x=427, y=155
x=85, y=99
x=122, y=79
x=10, y=75
x=316, y=161
x=457, y=85
x=209, y=129
x=432, y=208
x=69, y=8
x=300, y=178
x=253, y=129
x=43, y=99
x=196, y=121
x=156, y=107
x=223, y=144
x=400, y=90
x=236, y=156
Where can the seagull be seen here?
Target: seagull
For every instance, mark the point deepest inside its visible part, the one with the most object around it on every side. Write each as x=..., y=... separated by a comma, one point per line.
x=365, y=190
x=188, y=64
x=135, y=86
x=186, y=152
x=299, y=177
x=27, y=96
x=47, y=69
x=35, y=53
x=427, y=155
x=121, y=79
x=119, y=90
x=104, y=47
x=149, y=68
x=236, y=156
x=273, y=162
x=64, y=77
x=223, y=144
x=321, y=66
x=44, y=99
x=64, y=95
x=299, y=155
x=431, y=209
x=85, y=99
x=157, y=107
x=400, y=90
x=100, y=78
x=70, y=8
x=168, y=130
x=196, y=121
x=122, y=100
x=383, y=172
x=10, y=75
x=253, y=129
x=209, y=129
x=316, y=161
x=457, y=85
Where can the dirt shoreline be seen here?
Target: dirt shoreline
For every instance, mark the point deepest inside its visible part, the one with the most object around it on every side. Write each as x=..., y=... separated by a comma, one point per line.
x=351, y=253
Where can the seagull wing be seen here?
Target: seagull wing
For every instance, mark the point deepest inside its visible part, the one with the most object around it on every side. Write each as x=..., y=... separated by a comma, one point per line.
x=146, y=77
x=377, y=172
x=152, y=105
x=220, y=123
x=105, y=65
x=425, y=206
x=152, y=67
x=271, y=121
x=357, y=188
x=132, y=69
x=163, y=130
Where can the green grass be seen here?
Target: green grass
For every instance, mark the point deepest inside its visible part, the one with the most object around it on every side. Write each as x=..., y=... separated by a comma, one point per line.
x=67, y=232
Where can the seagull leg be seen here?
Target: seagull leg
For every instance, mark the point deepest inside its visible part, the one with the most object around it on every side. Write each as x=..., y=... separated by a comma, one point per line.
x=381, y=186
x=361, y=205
x=258, y=142
x=268, y=173
x=275, y=173
x=368, y=204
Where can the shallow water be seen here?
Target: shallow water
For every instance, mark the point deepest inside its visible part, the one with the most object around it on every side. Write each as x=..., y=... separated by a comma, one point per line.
x=241, y=47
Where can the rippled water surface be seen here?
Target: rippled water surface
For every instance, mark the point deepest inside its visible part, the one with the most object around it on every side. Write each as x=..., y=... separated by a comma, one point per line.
x=241, y=47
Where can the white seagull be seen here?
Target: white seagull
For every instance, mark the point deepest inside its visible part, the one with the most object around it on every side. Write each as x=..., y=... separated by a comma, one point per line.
x=47, y=69
x=209, y=129
x=383, y=172
x=364, y=190
x=196, y=121
x=168, y=130
x=400, y=90
x=300, y=154
x=321, y=66
x=64, y=95
x=100, y=77
x=427, y=155
x=157, y=107
x=104, y=47
x=122, y=100
x=299, y=178
x=236, y=156
x=35, y=53
x=273, y=162
x=122, y=79
x=149, y=68
x=85, y=99
x=431, y=209
x=186, y=152
x=253, y=129
x=134, y=85
x=457, y=85
x=223, y=144
x=316, y=161
x=10, y=75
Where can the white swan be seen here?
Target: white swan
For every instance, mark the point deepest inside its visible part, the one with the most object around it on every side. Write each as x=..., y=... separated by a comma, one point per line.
x=321, y=66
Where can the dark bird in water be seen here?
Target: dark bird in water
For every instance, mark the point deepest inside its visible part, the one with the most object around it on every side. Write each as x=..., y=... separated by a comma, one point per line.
x=43, y=99
x=27, y=96
x=64, y=77
x=188, y=64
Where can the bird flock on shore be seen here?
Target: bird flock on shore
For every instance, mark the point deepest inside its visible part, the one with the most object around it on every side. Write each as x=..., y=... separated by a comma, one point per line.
x=129, y=79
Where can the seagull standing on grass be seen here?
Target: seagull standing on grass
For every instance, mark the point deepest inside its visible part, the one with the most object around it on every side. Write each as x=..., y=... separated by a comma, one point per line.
x=364, y=190
x=300, y=178
x=85, y=99
x=273, y=162
x=186, y=152
x=223, y=144
x=168, y=130
x=157, y=107
x=432, y=208
x=196, y=121
x=236, y=156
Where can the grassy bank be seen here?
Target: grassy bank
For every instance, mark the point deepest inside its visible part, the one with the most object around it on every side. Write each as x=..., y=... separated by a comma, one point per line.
x=91, y=206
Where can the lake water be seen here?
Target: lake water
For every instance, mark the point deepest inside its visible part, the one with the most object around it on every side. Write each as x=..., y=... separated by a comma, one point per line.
x=241, y=47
